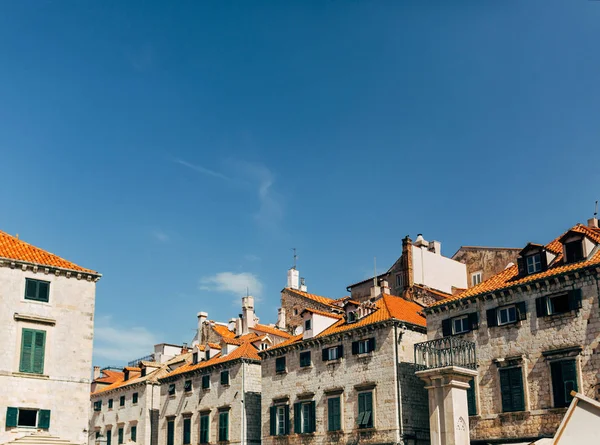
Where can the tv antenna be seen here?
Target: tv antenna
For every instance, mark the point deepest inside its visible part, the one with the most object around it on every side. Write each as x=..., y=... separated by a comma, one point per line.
x=295, y=257
x=596, y=210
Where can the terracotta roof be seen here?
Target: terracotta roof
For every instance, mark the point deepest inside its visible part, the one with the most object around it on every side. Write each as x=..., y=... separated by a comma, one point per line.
x=317, y=298
x=240, y=340
x=270, y=330
x=388, y=307
x=439, y=293
x=223, y=331
x=381, y=275
x=246, y=350
x=323, y=313
x=110, y=376
x=13, y=248
x=509, y=277
x=214, y=346
x=133, y=368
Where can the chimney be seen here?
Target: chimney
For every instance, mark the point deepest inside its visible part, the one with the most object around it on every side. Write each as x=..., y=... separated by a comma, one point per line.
x=407, y=267
x=202, y=316
x=303, y=287
x=385, y=287
x=231, y=324
x=292, y=278
x=281, y=318
x=238, y=325
x=593, y=222
x=96, y=372
x=435, y=247
x=375, y=292
x=420, y=241
x=247, y=313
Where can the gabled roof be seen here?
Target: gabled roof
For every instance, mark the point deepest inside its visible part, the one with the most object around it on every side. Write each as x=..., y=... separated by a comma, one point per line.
x=313, y=297
x=510, y=277
x=270, y=330
x=323, y=313
x=109, y=376
x=12, y=248
x=223, y=331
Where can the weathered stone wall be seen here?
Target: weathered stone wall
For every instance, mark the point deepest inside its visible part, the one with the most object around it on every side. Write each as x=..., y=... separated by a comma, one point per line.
x=489, y=260
x=199, y=400
x=294, y=305
x=522, y=344
x=346, y=375
x=64, y=386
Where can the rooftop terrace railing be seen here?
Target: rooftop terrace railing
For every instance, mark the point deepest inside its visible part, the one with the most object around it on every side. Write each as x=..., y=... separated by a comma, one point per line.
x=136, y=362
x=447, y=351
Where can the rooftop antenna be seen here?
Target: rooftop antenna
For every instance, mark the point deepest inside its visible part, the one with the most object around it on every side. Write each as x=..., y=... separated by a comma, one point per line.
x=295, y=257
x=596, y=211
x=247, y=291
x=375, y=271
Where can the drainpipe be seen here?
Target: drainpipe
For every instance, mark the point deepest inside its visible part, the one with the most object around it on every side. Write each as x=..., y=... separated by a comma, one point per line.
x=398, y=388
x=243, y=441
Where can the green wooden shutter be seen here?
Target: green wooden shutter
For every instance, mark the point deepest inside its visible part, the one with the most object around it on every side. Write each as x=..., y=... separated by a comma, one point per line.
x=39, y=346
x=11, y=416
x=297, y=418
x=312, y=421
x=44, y=419
x=369, y=405
x=492, y=318
x=171, y=432
x=330, y=414
x=26, y=350
x=287, y=419
x=505, y=390
x=273, y=420
x=43, y=290
x=134, y=433
x=108, y=437
x=30, y=289
x=518, y=395
x=447, y=327
x=471, y=399
x=120, y=436
x=187, y=427
x=204, y=429
x=473, y=321
x=541, y=306
x=521, y=311
x=575, y=299
x=569, y=380
x=557, y=384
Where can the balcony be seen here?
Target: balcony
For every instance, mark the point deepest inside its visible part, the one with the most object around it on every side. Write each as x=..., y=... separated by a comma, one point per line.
x=443, y=352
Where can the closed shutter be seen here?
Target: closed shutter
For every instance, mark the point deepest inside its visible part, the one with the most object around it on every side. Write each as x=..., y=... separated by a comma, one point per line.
x=354, y=347
x=134, y=433
x=505, y=390
x=371, y=344
x=171, y=432
x=569, y=372
x=187, y=427
x=521, y=266
x=325, y=354
x=108, y=437
x=473, y=320
x=312, y=419
x=31, y=289
x=575, y=299
x=120, y=436
x=39, y=344
x=11, y=417
x=471, y=399
x=287, y=419
x=273, y=420
x=521, y=311
x=26, y=351
x=43, y=290
x=44, y=419
x=492, y=318
x=340, y=351
x=204, y=429
x=333, y=414
x=518, y=395
x=447, y=327
x=541, y=306
x=297, y=418
x=543, y=260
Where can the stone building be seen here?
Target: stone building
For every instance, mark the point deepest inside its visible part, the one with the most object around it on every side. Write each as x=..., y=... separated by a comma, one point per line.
x=127, y=409
x=349, y=377
x=46, y=334
x=485, y=262
x=536, y=327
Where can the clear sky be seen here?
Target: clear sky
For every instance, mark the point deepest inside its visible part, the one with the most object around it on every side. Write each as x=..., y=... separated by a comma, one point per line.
x=183, y=148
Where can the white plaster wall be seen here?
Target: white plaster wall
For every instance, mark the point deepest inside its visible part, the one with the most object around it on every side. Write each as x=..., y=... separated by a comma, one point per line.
x=64, y=386
x=583, y=427
x=437, y=271
x=319, y=324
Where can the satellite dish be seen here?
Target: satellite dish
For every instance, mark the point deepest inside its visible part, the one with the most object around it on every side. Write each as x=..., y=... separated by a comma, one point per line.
x=298, y=330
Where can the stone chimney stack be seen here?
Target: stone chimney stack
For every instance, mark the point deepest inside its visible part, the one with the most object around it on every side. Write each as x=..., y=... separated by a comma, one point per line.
x=96, y=372
x=231, y=324
x=247, y=313
x=238, y=325
x=293, y=278
x=593, y=222
x=281, y=318
x=303, y=287
x=202, y=316
x=385, y=287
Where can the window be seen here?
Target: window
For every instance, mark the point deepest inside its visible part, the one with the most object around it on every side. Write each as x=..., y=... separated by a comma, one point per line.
x=511, y=388
x=187, y=386
x=399, y=280
x=204, y=423
x=574, y=251
x=305, y=359
x=280, y=364
x=97, y=434
x=558, y=304
x=506, y=314
x=471, y=399
x=534, y=263
x=365, y=410
x=363, y=346
x=17, y=417
x=304, y=417
x=476, y=278
x=352, y=317
x=333, y=353
x=295, y=311
x=37, y=290
x=207, y=354
x=279, y=420
x=133, y=433
x=206, y=381
x=223, y=426
x=308, y=324
x=110, y=403
x=194, y=358
x=460, y=325
x=564, y=380
x=171, y=432
x=225, y=378
x=33, y=345
x=98, y=405
x=172, y=389
x=134, y=398
x=122, y=401
x=187, y=430
x=120, y=441
x=334, y=414
x=108, y=437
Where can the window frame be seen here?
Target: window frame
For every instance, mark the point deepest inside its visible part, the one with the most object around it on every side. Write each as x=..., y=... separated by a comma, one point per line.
x=566, y=399
x=362, y=414
x=568, y=249
x=225, y=381
x=133, y=433
x=187, y=386
x=507, y=309
x=186, y=430
x=135, y=398
x=536, y=265
x=121, y=401
x=37, y=298
x=302, y=359
x=34, y=364
x=98, y=406
x=110, y=404
x=172, y=390
x=305, y=417
x=476, y=278
x=465, y=327
x=331, y=416
x=121, y=435
x=170, y=431
x=509, y=391
x=280, y=365
x=550, y=301
x=308, y=324
x=206, y=381
x=280, y=419
x=223, y=429
x=204, y=430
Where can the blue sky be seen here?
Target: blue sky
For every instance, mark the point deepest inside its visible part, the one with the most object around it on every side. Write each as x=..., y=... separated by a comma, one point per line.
x=183, y=148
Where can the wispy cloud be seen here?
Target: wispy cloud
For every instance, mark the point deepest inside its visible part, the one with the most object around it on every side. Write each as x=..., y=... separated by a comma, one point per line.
x=232, y=283
x=160, y=236
x=201, y=169
x=122, y=343
x=251, y=258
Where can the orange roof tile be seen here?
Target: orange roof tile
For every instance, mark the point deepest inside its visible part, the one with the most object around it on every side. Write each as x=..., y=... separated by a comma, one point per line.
x=270, y=330
x=323, y=313
x=439, y=293
x=223, y=331
x=13, y=248
x=240, y=340
x=317, y=298
x=510, y=277
x=110, y=376
x=214, y=345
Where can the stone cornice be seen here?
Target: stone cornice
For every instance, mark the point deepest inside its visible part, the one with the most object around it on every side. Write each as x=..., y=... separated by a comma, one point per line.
x=208, y=369
x=34, y=319
x=57, y=271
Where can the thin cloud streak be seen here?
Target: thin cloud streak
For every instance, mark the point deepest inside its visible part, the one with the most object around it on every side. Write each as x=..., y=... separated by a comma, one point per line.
x=201, y=169
x=232, y=283
x=160, y=236
x=119, y=343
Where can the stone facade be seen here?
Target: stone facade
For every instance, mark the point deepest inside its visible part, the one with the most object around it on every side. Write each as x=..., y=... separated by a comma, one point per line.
x=241, y=398
x=531, y=344
x=67, y=319
x=388, y=372
x=486, y=261
x=294, y=302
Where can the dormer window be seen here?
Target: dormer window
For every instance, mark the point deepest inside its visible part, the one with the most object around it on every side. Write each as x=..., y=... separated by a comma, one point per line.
x=534, y=263
x=308, y=324
x=352, y=317
x=574, y=251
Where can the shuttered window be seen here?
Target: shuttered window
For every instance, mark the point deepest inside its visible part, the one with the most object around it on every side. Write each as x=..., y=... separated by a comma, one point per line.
x=108, y=437
x=122, y=401
x=206, y=381
x=98, y=405
x=511, y=387
x=37, y=290
x=204, y=423
x=187, y=431
x=279, y=420
x=304, y=359
x=33, y=345
x=363, y=346
x=134, y=433
x=171, y=389
x=134, y=398
x=471, y=399
x=225, y=378
x=334, y=414
x=170, y=432
x=333, y=353
x=304, y=417
x=120, y=432
x=223, y=426
x=110, y=403
x=564, y=380
x=365, y=410
x=280, y=364
x=187, y=386
x=558, y=303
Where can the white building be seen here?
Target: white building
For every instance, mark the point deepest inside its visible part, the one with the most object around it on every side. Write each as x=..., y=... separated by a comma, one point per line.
x=46, y=334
